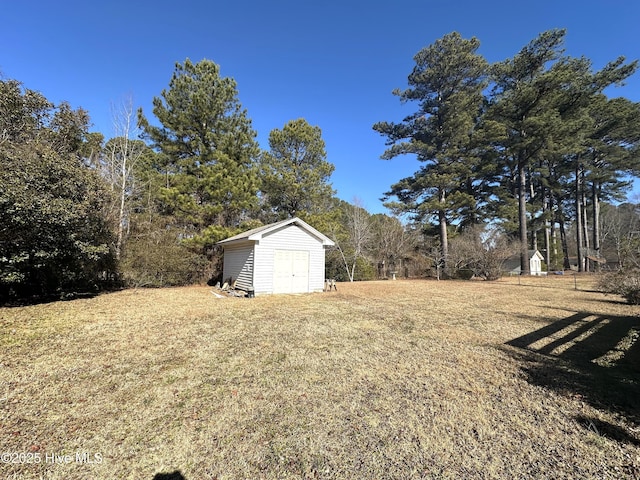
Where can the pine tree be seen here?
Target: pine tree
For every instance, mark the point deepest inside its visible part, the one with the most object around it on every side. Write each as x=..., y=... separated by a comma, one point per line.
x=522, y=86
x=209, y=149
x=612, y=154
x=541, y=98
x=447, y=82
x=294, y=173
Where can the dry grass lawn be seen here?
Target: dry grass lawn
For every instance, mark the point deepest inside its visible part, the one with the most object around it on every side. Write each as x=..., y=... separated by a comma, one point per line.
x=381, y=380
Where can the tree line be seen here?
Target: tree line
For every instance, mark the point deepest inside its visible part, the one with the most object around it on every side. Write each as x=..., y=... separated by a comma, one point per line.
x=530, y=147
x=146, y=207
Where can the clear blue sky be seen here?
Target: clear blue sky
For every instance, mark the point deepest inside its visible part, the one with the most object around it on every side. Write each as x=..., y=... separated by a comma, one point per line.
x=333, y=63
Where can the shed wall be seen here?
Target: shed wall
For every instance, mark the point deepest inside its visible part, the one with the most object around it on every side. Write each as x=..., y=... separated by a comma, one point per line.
x=535, y=265
x=291, y=237
x=239, y=264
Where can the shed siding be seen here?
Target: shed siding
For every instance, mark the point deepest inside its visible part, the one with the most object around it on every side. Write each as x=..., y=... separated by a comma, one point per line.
x=535, y=265
x=290, y=237
x=238, y=264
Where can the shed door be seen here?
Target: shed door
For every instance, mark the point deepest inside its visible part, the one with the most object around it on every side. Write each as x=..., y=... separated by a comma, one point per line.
x=534, y=265
x=291, y=271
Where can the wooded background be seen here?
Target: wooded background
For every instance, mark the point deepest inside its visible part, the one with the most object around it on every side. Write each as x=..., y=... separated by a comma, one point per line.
x=527, y=153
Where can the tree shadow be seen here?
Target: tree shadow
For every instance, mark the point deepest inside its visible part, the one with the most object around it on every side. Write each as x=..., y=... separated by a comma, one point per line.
x=43, y=299
x=591, y=356
x=606, y=429
x=610, y=299
x=169, y=476
x=26, y=301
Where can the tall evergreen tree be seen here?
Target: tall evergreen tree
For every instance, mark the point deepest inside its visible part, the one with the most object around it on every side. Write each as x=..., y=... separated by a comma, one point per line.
x=612, y=154
x=295, y=173
x=541, y=99
x=209, y=148
x=522, y=86
x=447, y=82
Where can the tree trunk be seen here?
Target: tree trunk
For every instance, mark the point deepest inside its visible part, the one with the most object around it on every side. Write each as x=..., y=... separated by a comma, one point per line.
x=585, y=225
x=472, y=219
x=522, y=220
x=595, y=200
x=546, y=211
x=566, y=265
x=553, y=230
x=554, y=246
x=121, y=211
x=444, y=242
x=579, y=212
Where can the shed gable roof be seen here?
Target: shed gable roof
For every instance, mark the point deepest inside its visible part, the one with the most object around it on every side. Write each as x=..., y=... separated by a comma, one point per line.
x=257, y=234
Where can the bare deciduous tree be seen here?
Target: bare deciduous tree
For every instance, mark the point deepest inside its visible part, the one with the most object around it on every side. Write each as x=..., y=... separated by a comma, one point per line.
x=354, y=238
x=481, y=252
x=121, y=155
x=391, y=242
x=620, y=232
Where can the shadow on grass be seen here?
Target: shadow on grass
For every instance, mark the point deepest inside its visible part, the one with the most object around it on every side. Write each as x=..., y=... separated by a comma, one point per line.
x=169, y=476
x=26, y=301
x=593, y=357
x=611, y=299
x=608, y=430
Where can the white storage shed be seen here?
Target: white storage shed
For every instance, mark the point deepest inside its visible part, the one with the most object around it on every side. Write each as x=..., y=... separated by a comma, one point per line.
x=283, y=257
x=512, y=264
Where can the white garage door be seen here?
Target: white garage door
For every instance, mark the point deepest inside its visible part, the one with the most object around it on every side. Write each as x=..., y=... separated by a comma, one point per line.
x=291, y=271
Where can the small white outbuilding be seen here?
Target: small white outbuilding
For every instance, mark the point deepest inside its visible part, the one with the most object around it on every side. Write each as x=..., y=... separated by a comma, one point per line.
x=283, y=257
x=512, y=264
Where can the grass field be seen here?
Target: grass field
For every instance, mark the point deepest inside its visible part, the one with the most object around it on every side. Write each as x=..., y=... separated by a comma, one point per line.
x=380, y=380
